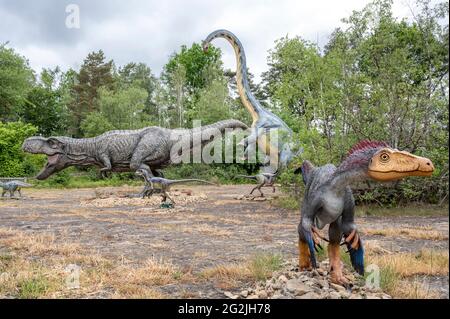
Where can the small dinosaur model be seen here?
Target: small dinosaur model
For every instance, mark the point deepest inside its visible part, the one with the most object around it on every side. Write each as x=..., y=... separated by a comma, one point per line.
x=150, y=148
x=266, y=125
x=164, y=184
x=263, y=179
x=12, y=187
x=328, y=200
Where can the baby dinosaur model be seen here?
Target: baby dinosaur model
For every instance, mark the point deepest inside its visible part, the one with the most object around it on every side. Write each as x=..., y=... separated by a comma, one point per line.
x=164, y=184
x=265, y=124
x=150, y=148
x=263, y=179
x=328, y=200
x=12, y=187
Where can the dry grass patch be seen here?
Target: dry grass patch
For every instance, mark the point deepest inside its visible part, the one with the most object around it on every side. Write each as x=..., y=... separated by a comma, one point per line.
x=400, y=270
x=425, y=262
x=22, y=275
x=258, y=267
x=209, y=230
x=36, y=245
x=406, y=289
x=417, y=233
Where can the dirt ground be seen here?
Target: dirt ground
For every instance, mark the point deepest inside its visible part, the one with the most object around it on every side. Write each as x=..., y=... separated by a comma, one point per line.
x=211, y=229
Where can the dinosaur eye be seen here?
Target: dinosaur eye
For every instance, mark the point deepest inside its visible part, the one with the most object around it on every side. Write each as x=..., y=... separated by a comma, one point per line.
x=384, y=157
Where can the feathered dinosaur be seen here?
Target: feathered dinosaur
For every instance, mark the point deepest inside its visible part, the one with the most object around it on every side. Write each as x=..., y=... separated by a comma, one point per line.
x=12, y=187
x=263, y=179
x=151, y=148
x=164, y=184
x=328, y=200
x=269, y=132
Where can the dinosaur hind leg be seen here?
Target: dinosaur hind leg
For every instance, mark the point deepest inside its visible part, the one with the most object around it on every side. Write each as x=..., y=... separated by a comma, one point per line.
x=306, y=247
x=334, y=254
x=304, y=256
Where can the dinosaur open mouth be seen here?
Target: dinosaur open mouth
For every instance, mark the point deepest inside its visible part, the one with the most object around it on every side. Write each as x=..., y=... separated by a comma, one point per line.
x=393, y=175
x=50, y=167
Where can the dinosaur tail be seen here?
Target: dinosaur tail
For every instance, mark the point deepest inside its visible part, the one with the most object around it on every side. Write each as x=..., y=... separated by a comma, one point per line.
x=249, y=101
x=208, y=132
x=246, y=176
x=23, y=184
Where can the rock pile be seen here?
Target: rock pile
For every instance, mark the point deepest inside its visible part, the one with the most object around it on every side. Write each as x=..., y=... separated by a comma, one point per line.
x=289, y=283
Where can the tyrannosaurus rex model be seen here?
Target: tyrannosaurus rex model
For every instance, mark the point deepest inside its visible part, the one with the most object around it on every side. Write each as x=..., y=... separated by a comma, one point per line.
x=328, y=200
x=164, y=183
x=150, y=148
x=269, y=132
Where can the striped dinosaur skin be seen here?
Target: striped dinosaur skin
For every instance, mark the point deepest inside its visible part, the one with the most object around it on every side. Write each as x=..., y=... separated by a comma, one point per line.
x=12, y=187
x=264, y=121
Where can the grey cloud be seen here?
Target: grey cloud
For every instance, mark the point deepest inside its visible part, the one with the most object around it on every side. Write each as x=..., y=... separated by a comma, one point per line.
x=149, y=31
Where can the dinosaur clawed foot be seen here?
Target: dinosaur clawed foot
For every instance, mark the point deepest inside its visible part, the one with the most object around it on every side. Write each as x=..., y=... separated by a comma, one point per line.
x=337, y=277
x=336, y=266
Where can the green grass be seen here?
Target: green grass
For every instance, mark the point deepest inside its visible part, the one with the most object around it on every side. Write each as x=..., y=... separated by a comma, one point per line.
x=32, y=288
x=263, y=265
x=388, y=278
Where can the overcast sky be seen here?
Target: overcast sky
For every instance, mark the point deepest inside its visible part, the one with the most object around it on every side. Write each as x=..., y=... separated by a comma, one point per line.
x=149, y=31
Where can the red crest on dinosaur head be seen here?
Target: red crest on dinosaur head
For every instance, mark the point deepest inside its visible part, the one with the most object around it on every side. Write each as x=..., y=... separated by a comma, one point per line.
x=365, y=145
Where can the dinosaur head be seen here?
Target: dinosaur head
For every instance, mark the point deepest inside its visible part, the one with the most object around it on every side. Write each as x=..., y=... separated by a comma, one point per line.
x=54, y=148
x=384, y=163
x=390, y=164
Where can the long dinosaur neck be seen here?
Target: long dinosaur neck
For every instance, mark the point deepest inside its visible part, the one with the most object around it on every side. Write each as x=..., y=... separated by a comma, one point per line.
x=247, y=98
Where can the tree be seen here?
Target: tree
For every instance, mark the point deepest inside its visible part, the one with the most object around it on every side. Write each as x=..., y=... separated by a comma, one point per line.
x=121, y=110
x=213, y=103
x=16, y=80
x=378, y=78
x=140, y=75
x=43, y=109
x=186, y=73
x=93, y=74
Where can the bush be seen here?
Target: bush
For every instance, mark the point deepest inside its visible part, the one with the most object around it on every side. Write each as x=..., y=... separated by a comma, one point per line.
x=14, y=162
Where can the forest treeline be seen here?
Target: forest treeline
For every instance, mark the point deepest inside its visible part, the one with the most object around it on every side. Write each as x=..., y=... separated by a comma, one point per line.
x=378, y=78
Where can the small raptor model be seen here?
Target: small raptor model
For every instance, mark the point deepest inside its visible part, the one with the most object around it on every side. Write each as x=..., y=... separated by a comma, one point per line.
x=164, y=184
x=150, y=148
x=12, y=187
x=263, y=179
x=269, y=132
x=328, y=200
